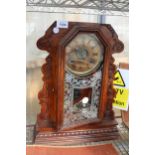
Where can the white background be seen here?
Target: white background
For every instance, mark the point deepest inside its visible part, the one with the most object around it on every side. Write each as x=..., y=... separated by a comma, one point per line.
x=13, y=77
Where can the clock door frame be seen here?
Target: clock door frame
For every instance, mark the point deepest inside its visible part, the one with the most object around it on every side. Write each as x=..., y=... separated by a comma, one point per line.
x=105, y=72
x=51, y=96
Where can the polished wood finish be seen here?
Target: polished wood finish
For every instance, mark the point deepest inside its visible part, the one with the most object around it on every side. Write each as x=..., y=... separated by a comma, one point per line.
x=106, y=149
x=124, y=65
x=52, y=94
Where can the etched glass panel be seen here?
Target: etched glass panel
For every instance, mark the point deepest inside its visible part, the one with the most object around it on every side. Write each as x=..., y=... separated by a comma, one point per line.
x=83, y=71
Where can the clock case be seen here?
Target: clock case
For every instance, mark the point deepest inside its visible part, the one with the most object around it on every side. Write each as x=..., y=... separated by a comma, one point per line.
x=49, y=126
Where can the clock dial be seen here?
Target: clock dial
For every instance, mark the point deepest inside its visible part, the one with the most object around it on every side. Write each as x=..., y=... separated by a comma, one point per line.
x=84, y=54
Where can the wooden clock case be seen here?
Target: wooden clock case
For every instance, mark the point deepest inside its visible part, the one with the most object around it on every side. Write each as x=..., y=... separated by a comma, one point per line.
x=49, y=126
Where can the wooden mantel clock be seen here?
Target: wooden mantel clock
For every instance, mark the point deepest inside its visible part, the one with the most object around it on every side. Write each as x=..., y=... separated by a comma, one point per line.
x=77, y=94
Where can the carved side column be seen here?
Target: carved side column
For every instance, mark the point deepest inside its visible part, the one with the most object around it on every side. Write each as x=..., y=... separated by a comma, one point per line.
x=111, y=93
x=43, y=118
x=109, y=114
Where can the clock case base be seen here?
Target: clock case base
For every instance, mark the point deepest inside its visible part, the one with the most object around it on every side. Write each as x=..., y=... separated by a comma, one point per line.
x=102, y=132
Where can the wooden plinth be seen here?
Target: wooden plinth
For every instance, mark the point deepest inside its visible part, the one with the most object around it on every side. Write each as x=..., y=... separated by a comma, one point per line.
x=106, y=149
x=76, y=137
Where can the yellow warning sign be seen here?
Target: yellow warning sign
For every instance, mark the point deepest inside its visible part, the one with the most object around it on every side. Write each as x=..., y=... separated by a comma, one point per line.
x=118, y=80
x=121, y=99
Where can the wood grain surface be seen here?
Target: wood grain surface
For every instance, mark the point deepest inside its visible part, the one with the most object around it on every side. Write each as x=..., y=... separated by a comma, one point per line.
x=106, y=149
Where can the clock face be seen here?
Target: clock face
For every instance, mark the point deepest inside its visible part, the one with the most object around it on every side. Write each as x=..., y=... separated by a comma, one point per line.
x=84, y=54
